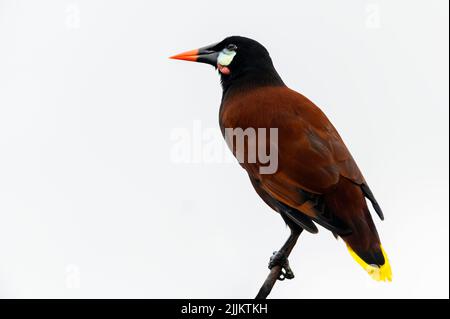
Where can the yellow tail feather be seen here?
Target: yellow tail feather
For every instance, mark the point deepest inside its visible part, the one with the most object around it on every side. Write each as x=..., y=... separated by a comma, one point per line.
x=382, y=273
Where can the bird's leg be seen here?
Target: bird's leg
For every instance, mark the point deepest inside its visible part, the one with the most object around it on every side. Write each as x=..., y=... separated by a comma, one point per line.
x=280, y=257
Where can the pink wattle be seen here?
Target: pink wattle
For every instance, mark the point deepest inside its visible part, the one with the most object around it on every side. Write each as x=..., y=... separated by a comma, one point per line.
x=223, y=69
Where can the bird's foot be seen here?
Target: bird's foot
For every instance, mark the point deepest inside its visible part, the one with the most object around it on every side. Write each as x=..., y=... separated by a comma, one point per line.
x=280, y=259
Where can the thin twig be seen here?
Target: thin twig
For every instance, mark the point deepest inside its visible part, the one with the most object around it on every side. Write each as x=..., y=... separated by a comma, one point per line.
x=268, y=284
x=275, y=272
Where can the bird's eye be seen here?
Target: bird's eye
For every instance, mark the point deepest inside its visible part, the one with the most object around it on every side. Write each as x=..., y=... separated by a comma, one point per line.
x=231, y=47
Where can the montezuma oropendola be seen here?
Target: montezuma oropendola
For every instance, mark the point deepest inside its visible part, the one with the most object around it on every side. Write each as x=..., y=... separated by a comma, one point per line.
x=316, y=180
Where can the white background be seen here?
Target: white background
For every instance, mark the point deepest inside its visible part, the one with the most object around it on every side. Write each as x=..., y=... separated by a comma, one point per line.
x=93, y=205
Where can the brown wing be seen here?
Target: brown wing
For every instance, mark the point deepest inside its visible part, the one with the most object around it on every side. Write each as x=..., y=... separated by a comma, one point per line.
x=312, y=158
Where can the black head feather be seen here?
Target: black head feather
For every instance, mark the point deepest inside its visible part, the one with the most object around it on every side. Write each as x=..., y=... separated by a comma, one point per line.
x=251, y=66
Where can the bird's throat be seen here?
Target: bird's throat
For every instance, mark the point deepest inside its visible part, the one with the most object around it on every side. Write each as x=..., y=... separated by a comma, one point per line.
x=249, y=79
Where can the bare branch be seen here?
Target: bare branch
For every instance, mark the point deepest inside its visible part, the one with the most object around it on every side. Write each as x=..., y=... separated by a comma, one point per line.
x=276, y=270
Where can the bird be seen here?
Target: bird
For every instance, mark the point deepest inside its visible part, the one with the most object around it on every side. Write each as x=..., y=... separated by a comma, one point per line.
x=316, y=180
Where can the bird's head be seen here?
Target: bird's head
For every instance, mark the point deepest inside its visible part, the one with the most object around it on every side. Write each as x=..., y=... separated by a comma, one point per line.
x=235, y=57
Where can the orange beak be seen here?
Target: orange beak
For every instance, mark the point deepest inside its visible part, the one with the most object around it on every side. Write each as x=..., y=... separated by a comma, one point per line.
x=191, y=55
x=206, y=55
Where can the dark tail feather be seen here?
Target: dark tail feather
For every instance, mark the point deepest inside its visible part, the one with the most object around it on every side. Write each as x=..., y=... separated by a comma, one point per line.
x=348, y=203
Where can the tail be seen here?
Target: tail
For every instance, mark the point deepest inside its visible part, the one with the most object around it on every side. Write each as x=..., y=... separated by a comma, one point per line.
x=379, y=269
x=348, y=203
